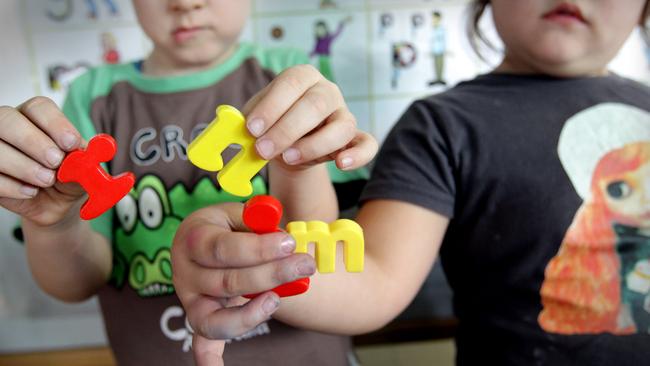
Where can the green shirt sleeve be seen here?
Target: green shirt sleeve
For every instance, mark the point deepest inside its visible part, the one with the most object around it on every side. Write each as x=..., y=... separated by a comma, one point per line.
x=279, y=59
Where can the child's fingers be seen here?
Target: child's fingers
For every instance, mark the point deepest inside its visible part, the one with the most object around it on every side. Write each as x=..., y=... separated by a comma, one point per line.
x=358, y=153
x=314, y=107
x=45, y=114
x=207, y=352
x=227, y=323
x=280, y=95
x=69, y=192
x=11, y=190
x=216, y=237
x=15, y=164
x=250, y=105
x=21, y=133
x=334, y=135
x=211, y=247
x=226, y=283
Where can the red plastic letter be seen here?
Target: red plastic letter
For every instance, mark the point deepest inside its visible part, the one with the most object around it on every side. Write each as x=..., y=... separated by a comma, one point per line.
x=263, y=214
x=82, y=166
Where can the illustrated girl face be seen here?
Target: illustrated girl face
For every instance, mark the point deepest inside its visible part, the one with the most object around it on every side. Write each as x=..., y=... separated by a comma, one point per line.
x=435, y=19
x=321, y=29
x=628, y=197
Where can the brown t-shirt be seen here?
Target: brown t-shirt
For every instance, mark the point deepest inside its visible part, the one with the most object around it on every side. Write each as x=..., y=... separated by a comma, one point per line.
x=153, y=120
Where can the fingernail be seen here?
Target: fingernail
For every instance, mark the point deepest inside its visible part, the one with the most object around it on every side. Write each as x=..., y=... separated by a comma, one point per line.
x=45, y=175
x=54, y=156
x=69, y=140
x=255, y=126
x=288, y=245
x=265, y=148
x=291, y=155
x=28, y=191
x=306, y=267
x=346, y=162
x=270, y=304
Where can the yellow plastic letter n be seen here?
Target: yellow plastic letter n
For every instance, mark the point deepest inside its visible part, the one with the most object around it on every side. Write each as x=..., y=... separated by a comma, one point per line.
x=229, y=127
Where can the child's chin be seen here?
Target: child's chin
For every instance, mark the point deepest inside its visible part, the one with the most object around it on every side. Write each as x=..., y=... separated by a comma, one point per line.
x=199, y=59
x=194, y=51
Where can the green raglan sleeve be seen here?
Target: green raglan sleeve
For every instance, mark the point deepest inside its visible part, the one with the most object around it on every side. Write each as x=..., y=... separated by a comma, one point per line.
x=280, y=59
x=348, y=184
x=77, y=109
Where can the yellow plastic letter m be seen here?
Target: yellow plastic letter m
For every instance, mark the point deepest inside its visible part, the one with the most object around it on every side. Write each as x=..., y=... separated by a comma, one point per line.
x=325, y=238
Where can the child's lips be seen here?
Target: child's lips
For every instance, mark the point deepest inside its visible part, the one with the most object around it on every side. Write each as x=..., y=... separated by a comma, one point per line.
x=183, y=34
x=566, y=13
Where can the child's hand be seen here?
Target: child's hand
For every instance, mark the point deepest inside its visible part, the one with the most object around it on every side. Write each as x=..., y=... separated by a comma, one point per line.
x=214, y=264
x=33, y=140
x=302, y=119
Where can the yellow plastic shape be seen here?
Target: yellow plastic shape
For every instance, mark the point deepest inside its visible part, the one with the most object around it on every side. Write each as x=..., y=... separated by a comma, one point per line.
x=325, y=237
x=229, y=127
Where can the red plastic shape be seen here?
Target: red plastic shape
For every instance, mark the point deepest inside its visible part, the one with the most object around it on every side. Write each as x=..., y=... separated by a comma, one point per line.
x=82, y=166
x=262, y=214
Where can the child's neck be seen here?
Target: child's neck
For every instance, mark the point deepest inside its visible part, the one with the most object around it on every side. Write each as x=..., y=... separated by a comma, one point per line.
x=513, y=65
x=159, y=64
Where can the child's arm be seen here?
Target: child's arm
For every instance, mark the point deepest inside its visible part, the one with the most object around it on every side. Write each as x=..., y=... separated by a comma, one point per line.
x=68, y=260
x=306, y=193
x=402, y=242
x=301, y=120
x=214, y=264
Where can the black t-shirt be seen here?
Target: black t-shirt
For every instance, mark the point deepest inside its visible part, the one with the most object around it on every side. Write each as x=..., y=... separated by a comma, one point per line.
x=536, y=174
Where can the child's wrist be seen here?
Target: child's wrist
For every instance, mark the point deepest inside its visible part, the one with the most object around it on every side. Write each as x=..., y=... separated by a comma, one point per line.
x=69, y=222
x=292, y=171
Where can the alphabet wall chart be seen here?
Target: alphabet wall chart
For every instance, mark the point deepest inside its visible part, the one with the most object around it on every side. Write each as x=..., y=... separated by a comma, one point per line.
x=382, y=53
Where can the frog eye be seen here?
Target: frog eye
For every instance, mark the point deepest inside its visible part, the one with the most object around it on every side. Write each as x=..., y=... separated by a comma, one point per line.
x=619, y=190
x=150, y=208
x=127, y=212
